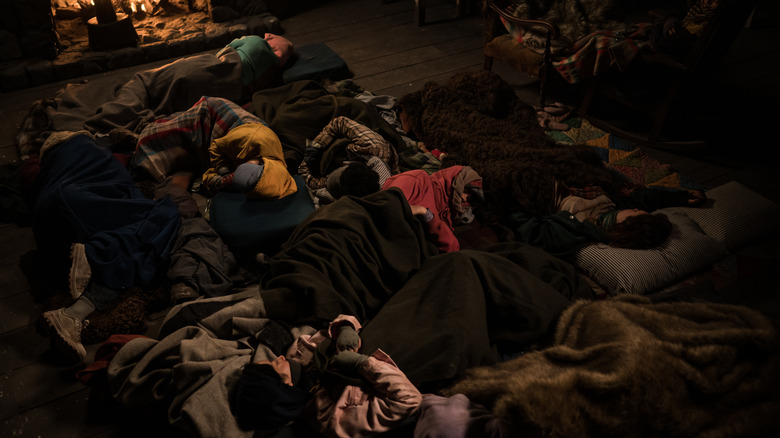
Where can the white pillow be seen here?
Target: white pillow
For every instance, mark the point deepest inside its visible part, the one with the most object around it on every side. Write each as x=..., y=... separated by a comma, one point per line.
x=735, y=215
x=621, y=271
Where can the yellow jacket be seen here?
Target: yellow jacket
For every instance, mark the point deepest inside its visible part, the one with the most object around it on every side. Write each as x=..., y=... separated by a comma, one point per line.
x=246, y=142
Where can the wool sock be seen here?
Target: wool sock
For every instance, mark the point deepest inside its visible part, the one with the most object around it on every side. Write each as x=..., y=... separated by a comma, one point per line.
x=80, y=309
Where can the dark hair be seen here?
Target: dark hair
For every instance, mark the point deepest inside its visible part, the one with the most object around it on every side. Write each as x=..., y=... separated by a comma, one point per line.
x=642, y=231
x=412, y=105
x=357, y=179
x=262, y=402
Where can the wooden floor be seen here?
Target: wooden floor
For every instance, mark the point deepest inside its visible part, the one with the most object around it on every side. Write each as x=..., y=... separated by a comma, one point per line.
x=389, y=55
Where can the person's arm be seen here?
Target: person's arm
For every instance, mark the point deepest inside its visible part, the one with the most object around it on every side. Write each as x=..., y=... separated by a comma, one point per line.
x=363, y=140
x=311, y=181
x=384, y=401
x=440, y=231
x=344, y=330
x=560, y=233
x=650, y=198
x=399, y=397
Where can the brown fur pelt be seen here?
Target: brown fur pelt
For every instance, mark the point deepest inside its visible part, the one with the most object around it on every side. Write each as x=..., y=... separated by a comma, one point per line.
x=626, y=367
x=124, y=315
x=478, y=120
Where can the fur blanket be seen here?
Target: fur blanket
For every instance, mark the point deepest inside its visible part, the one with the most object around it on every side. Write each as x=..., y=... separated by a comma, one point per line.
x=628, y=367
x=478, y=121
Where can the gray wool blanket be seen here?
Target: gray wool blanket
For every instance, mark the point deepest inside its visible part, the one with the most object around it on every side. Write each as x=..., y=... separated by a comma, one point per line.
x=436, y=315
x=629, y=368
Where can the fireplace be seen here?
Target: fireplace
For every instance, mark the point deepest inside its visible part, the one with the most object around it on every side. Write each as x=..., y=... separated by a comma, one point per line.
x=44, y=41
x=46, y=28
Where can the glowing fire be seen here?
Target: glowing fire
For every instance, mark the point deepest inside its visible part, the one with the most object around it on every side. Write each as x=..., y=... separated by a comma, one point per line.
x=131, y=7
x=134, y=7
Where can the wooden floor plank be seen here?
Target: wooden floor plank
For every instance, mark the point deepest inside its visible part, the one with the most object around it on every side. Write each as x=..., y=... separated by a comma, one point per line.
x=12, y=281
x=32, y=386
x=420, y=73
x=17, y=311
x=21, y=347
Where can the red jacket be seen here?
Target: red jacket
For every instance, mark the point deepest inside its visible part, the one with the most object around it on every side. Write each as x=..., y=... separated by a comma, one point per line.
x=433, y=192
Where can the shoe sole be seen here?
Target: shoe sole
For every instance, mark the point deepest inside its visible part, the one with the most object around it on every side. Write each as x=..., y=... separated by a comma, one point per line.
x=71, y=352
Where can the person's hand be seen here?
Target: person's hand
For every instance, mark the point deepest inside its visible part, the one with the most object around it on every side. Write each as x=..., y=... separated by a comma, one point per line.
x=227, y=180
x=347, y=339
x=418, y=210
x=348, y=361
x=311, y=153
x=696, y=197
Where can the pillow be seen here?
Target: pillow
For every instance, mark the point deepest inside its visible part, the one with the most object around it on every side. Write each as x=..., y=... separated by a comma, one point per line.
x=251, y=226
x=631, y=271
x=315, y=62
x=735, y=215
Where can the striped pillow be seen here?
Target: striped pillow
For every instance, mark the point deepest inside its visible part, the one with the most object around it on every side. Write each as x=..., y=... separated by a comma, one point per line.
x=630, y=271
x=735, y=215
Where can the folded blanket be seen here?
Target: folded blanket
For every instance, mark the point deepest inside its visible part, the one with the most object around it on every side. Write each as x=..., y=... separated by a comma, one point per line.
x=626, y=367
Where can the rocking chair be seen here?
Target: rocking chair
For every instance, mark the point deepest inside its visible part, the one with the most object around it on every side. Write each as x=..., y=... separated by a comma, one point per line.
x=646, y=101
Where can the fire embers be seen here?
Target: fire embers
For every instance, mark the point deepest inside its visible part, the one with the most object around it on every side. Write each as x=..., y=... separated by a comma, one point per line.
x=139, y=9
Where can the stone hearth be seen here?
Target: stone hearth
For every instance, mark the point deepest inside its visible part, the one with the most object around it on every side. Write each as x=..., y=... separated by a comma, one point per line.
x=173, y=30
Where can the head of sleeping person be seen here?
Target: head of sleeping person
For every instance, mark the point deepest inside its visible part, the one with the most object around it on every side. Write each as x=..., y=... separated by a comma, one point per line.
x=263, y=179
x=636, y=229
x=266, y=395
x=353, y=178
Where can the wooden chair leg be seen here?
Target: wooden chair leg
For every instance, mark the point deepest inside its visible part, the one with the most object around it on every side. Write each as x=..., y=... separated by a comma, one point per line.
x=487, y=64
x=419, y=12
x=462, y=8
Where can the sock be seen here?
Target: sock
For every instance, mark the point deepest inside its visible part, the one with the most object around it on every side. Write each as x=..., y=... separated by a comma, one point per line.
x=80, y=309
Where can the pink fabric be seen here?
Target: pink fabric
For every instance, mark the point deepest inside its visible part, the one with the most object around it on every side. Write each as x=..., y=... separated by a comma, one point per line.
x=432, y=192
x=302, y=350
x=281, y=46
x=355, y=412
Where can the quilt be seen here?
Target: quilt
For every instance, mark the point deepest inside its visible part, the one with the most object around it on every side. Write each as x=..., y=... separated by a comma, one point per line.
x=622, y=155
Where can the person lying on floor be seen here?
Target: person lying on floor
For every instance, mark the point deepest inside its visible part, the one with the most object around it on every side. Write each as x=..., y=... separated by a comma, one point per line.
x=212, y=139
x=86, y=200
x=243, y=66
x=367, y=257
x=324, y=382
x=249, y=159
x=343, y=142
x=357, y=177
x=443, y=199
x=588, y=215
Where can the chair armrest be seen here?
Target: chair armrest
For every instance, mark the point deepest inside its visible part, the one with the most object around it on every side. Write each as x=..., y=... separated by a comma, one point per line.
x=500, y=8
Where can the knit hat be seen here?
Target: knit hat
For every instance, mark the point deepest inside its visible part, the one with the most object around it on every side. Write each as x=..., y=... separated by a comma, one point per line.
x=263, y=402
x=246, y=176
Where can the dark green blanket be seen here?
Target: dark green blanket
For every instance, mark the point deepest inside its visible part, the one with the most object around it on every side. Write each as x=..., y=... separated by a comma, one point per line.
x=298, y=111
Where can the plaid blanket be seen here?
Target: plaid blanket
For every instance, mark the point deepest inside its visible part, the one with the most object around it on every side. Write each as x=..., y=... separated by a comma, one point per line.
x=602, y=51
x=181, y=142
x=591, y=41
